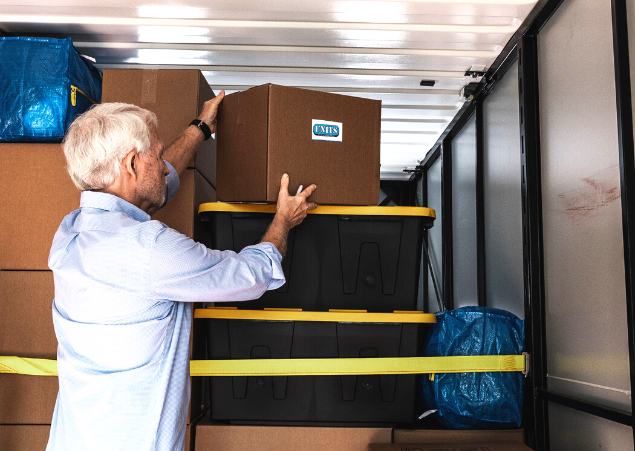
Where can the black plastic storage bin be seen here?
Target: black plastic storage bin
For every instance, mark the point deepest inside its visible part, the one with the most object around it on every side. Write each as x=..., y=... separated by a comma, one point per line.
x=339, y=258
x=324, y=399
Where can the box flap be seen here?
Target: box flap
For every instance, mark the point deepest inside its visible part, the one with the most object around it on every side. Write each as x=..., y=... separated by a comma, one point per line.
x=170, y=94
x=242, y=145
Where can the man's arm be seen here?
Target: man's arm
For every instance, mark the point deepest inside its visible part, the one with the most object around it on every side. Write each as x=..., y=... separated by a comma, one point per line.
x=183, y=148
x=291, y=211
x=199, y=274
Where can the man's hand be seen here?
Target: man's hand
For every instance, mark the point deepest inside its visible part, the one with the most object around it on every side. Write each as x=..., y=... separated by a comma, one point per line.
x=183, y=148
x=291, y=211
x=210, y=110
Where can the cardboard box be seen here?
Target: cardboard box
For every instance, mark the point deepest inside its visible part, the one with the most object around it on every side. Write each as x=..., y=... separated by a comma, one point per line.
x=26, y=330
x=36, y=193
x=27, y=399
x=268, y=130
x=188, y=438
x=35, y=438
x=182, y=213
x=458, y=436
x=26, y=320
x=33, y=207
x=222, y=437
x=24, y=438
x=175, y=96
x=511, y=446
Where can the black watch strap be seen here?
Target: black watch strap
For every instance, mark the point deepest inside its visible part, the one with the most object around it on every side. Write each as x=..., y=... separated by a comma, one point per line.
x=202, y=126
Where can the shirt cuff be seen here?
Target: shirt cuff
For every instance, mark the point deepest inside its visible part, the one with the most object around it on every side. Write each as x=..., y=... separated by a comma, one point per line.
x=271, y=251
x=173, y=184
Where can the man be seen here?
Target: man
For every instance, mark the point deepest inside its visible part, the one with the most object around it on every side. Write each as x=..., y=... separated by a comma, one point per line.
x=124, y=283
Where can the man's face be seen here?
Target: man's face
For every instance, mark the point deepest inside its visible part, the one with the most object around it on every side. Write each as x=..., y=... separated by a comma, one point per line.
x=153, y=173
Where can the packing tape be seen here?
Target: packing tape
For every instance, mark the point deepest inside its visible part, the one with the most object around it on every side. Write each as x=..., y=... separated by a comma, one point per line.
x=311, y=367
x=331, y=316
x=149, y=83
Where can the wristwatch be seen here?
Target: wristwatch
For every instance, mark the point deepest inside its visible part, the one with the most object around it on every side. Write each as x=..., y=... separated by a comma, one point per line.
x=202, y=126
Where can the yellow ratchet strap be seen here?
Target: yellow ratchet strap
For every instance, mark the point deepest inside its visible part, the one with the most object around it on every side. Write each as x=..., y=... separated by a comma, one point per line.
x=311, y=367
x=357, y=366
x=321, y=210
x=33, y=367
x=346, y=316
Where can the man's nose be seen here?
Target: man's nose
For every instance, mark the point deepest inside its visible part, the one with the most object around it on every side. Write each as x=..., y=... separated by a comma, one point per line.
x=166, y=170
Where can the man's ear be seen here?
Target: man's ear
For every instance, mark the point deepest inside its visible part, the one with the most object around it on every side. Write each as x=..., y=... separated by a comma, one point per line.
x=131, y=163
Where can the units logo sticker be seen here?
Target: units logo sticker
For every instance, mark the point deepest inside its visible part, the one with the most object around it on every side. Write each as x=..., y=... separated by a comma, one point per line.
x=326, y=130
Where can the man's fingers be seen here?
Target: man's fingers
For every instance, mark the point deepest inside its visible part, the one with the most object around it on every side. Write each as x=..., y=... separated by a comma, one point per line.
x=308, y=191
x=284, y=184
x=311, y=206
x=210, y=110
x=216, y=100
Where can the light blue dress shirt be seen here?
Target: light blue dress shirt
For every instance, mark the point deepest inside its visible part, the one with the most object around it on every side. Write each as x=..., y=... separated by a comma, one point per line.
x=122, y=316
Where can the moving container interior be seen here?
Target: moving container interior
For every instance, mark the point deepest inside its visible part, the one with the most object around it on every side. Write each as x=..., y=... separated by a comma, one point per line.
x=512, y=119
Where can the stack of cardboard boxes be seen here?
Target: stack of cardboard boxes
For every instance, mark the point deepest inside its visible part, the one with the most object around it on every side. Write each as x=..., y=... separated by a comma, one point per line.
x=36, y=193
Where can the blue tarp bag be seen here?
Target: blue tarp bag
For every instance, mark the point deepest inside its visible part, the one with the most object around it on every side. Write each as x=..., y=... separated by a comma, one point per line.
x=44, y=84
x=475, y=400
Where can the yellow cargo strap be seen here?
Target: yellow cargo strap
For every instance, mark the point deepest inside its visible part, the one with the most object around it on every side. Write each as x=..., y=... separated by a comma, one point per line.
x=321, y=210
x=312, y=367
x=347, y=316
x=33, y=367
x=356, y=366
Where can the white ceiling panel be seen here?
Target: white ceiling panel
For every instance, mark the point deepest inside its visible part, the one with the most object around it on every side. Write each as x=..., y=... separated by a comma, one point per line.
x=405, y=127
x=94, y=28
x=380, y=80
x=387, y=113
x=347, y=10
x=372, y=49
x=115, y=54
x=421, y=97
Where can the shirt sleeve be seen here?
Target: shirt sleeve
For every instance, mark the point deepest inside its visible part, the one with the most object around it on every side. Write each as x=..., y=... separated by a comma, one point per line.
x=183, y=270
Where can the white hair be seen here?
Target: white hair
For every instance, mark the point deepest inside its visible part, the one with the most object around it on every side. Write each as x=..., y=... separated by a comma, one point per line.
x=98, y=140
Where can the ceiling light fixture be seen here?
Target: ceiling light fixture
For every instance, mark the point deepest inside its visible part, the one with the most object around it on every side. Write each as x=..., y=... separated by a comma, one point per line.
x=474, y=2
x=337, y=71
x=219, y=23
x=288, y=48
x=343, y=89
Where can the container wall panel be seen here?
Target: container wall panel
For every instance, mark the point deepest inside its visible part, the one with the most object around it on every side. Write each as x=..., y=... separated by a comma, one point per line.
x=465, y=285
x=630, y=8
x=434, y=235
x=572, y=430
x=585, y=304
x=502, y=197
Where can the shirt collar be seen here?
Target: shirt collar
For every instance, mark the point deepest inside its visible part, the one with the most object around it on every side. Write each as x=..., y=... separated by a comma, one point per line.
x=110, y=202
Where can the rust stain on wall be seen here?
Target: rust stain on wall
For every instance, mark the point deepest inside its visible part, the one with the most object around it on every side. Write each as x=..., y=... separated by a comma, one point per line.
x=594, y=193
